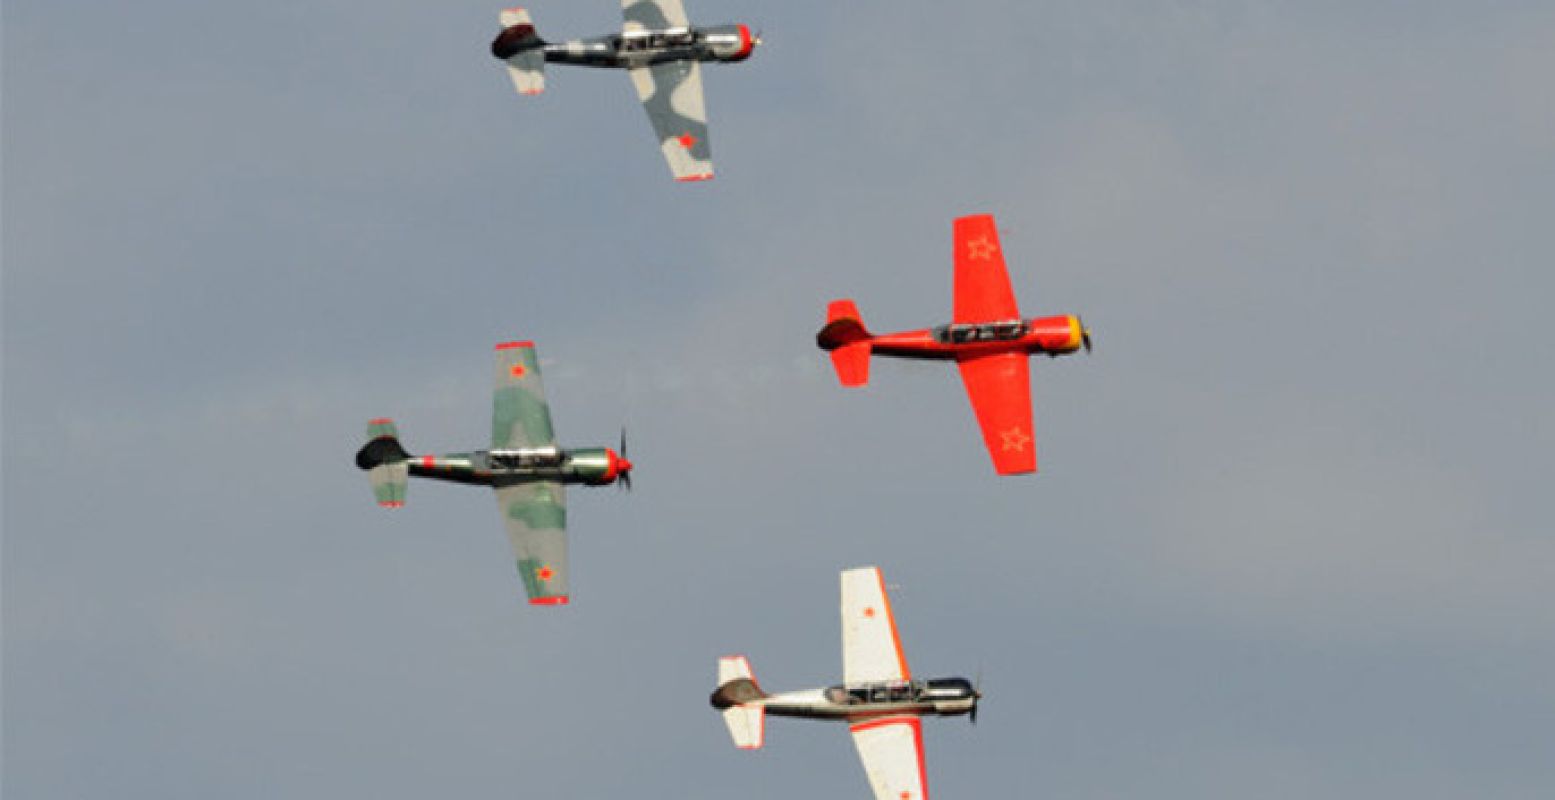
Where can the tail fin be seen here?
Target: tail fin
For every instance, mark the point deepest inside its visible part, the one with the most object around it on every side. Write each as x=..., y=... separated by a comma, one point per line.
x=739, y=698
x=848, y=341
x=522, y=49
x=385, y=459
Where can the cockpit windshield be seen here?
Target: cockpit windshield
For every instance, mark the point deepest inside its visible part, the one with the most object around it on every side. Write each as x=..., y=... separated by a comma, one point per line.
x=965, y=333
x=861, y=694
x=525, y=459
x=641, y=41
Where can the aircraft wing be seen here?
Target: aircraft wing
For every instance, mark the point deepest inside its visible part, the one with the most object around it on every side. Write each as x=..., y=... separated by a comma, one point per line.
x=671, y=93
x=871, y=650
x=983, y=292
x=891, y=749
x=520, y=417
x=1000, y=389
x=654, y=15
x=536, y=519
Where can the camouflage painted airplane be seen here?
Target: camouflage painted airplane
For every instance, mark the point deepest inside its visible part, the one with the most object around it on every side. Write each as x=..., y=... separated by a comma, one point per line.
x=882, y=704
x=524, y=465
x=660, y=50
x=986, y=338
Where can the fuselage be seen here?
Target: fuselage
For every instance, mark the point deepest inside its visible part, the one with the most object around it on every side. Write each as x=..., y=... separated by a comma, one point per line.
x=1053, y=336
x=498, y=468
x=940, y=696
x=635, y=48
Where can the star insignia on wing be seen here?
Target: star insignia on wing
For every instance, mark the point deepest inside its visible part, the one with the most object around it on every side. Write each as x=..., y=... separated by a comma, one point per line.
x=870, y=612
x=980, y=249
x=545, y=574
x=1015, y=439
x=518, y=371
x=686, y=140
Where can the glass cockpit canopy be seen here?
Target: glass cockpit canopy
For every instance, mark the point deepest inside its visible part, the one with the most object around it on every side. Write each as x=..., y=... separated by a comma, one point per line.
x=901, y=691
x=637, y=41
x=964, y=333
x=529, y=458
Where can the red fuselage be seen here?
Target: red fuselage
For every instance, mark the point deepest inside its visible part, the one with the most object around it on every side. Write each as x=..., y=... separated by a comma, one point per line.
x=1050, y=335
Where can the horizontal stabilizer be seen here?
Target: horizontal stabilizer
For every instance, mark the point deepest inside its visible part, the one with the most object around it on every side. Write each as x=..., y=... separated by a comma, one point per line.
x=522, y=48
x=386, y=463
x=848, y=341
x=747, y=726
x=739, y=698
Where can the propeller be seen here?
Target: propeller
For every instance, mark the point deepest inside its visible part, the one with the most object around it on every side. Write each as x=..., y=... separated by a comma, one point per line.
x=977, y=696
x=625, y=478
x=758, y=41
x=1085, y=335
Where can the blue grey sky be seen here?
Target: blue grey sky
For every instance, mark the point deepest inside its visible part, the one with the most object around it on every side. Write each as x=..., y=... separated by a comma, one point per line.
x=1291, y=539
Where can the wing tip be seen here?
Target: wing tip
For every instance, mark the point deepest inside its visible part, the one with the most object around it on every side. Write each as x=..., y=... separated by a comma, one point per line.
x=514, y=345
x=701, y=176
x=553, y=600
x=392, y=503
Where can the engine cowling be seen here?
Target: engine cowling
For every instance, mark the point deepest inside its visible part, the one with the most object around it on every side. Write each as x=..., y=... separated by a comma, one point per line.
x=1062, y=334
x=730, y=42
x=598, y=466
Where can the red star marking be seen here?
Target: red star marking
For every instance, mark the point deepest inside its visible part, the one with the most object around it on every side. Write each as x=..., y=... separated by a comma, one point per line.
x=1015, y=439
x=518, y=371
x=869, y=612
x=906, y=795
x=545, y=573
x=686, y=140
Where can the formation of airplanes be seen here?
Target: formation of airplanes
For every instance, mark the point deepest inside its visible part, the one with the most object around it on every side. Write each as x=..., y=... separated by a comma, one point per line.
x=987, y=338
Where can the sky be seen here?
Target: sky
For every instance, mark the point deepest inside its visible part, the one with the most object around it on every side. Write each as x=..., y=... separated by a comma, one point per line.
x=1291, y=537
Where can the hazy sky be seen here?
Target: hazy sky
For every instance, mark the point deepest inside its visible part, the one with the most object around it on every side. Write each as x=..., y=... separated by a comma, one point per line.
x=1292, y=537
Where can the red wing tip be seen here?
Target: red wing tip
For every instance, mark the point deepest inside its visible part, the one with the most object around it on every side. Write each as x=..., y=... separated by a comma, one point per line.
x=706, y=176
x=1022, y=471
x=973, y=218
x=531, y=92
x=748, y=746
x=380, y=421
x=512, y=345
x=392, y=503
x=557, y=600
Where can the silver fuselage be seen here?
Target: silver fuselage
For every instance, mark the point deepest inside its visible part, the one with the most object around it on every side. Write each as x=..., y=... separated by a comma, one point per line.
x=945, y=697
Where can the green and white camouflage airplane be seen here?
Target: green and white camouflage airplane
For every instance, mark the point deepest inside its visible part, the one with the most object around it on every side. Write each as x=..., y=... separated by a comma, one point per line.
x=662, y=51
x=525, y=466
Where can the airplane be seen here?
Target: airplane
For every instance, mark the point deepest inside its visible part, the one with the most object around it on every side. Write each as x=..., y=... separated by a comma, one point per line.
x=524, y=465
x=987, y=338
x=661, y=51
x=878, y=698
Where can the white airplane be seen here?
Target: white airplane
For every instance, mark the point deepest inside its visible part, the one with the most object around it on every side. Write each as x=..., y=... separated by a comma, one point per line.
x=881, y=702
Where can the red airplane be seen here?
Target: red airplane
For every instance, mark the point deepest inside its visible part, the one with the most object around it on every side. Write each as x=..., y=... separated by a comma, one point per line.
x=987, y=339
